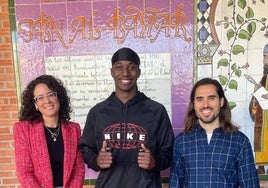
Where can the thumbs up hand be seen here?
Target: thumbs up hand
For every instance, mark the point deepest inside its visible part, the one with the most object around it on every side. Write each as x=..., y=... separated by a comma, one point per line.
x=145, y=158
x=104, y=159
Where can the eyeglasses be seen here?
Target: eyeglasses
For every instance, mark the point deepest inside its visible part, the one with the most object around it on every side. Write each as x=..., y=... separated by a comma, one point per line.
x=50, y=96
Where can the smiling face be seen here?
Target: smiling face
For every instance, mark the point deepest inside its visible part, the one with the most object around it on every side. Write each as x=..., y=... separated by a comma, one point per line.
x=125, y=74
x=207, y=105
x=46, y=101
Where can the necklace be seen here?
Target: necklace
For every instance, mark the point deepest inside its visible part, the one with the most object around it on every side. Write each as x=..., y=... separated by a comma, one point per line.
x=55, y=134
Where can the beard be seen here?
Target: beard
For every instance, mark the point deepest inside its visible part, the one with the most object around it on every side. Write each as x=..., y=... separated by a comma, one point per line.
x=207, y=121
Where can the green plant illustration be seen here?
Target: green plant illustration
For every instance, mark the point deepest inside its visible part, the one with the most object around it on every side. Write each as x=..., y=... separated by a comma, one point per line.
x=242, y=25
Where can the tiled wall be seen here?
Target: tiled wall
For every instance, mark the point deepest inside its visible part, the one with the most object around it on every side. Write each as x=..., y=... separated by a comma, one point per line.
x=233, y=49
x=205, y=65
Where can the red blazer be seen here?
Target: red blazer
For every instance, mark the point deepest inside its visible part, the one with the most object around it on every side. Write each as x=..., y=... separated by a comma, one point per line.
x=32, y=158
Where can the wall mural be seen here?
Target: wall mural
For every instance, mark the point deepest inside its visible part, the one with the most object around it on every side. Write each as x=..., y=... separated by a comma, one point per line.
x=231, y=62
x=74, y=40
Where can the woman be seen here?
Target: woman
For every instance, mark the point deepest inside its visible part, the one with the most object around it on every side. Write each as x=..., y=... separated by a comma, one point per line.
x=46, y=142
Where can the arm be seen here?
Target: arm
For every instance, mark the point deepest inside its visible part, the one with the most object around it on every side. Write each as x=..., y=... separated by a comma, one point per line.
x=176, y=178
x=79, y=167
x=247, y=172
x=88, y=144
x=24, y=164
x=165, y=136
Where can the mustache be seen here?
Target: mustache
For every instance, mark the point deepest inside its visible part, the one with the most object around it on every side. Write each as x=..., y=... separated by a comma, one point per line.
x=205, y=108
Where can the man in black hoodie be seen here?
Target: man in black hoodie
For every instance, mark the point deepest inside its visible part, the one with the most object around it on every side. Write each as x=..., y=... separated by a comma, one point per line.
x=128, y=137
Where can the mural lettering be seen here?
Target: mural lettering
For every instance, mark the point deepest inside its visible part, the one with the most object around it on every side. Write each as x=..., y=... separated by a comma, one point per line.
x=142, y=25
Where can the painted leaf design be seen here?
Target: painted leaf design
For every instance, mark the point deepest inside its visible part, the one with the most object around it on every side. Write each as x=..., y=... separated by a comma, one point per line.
x=223, y=62
x=233, y=84
x=232, y=105
x=242, y=4
x=239, y=19
x=230, y=34
x=243, y=34
x=251, y=27
x=226, y=25
x=230, y=3
x=238, y=73
x=263, y=19
x=250, y=13
x=233, y=67
x=223, y=79
x=238, y=49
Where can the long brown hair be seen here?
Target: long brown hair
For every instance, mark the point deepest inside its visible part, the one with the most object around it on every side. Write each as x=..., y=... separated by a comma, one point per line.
x=191, y=120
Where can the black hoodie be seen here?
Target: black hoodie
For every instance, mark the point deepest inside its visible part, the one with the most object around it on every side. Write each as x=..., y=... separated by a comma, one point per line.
x=125, y=127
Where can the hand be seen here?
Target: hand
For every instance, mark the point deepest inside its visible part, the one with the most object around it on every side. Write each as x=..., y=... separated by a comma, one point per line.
x=104, y=159
x=256, y=87
x=145, y=158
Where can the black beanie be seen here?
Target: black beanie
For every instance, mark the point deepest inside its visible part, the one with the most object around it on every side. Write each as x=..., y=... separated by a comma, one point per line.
x=126, y=54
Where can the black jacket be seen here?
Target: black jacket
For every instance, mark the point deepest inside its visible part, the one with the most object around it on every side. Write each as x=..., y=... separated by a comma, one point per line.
x=125, y=127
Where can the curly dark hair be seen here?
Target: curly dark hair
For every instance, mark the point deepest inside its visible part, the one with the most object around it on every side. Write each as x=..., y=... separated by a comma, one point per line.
x=191, y=119
x=28, y=111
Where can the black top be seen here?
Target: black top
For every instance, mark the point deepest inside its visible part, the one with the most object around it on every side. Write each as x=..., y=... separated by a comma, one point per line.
x=125, y=127
x=56, y=153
